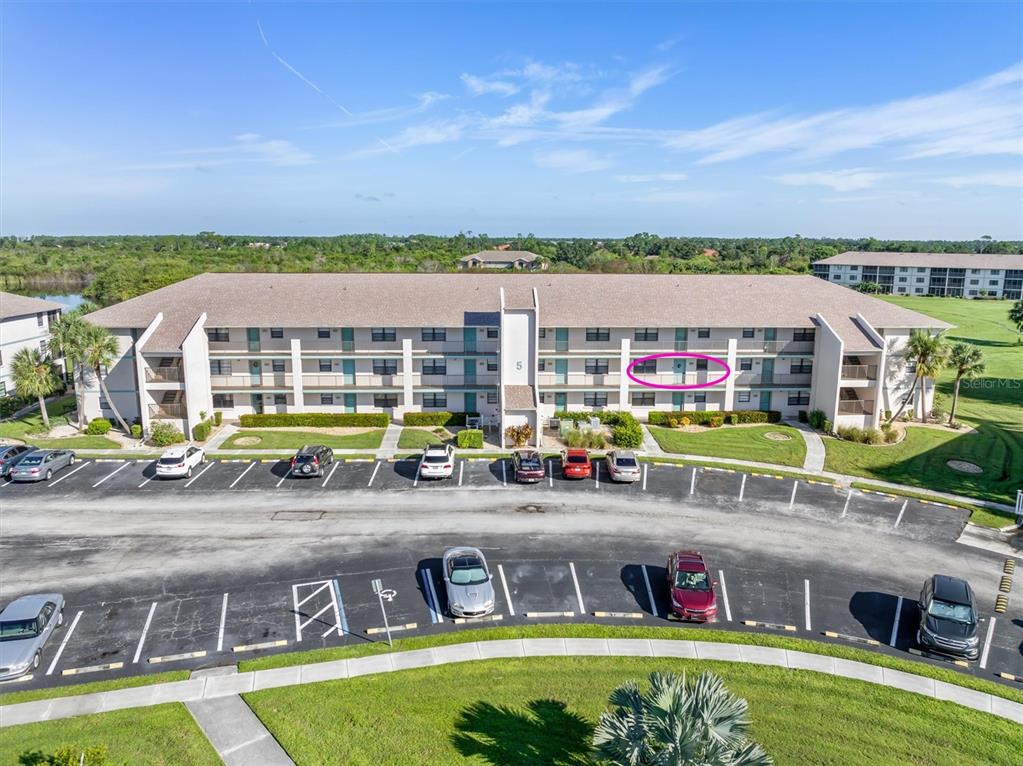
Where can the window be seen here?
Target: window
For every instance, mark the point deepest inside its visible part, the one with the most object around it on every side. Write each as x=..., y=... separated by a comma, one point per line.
x=995, y=272
x=543, y=332
x=801, y=398
x=700, y=398
x=382, y=334
x=322, y=332
x=921, y=271
x=278, y=365
x=491, y=365
x=804, y=335
x=385, y=366
x=903, y=269
x=643, y=399
x=493, y=332
x=598, y=333
x=218, y=335
x=541, y=366
x=596, y=366
x=492, y=397
x=854, y=268
x=223, y=401
x=992, y=283
x=701, y=364
x=974, y=271
x=276, y=332
x=326, y=398
x=595, y=399
x=645, y=333
x=646, y=367
x=280, y=398
x=434, y=333
x=324, y=365
x=743, y=397
x=974, y=281
x=802, y=367
x=435, y=367
x=703, y=332
x=748, y=332
x=746, y=364
x=920, y=280
x=836, y=277
x=39, y=320
x=220, y=367
x=903, y=279
x=3, y=388
x=385, y=401
x=435, y=400
x=44, y=347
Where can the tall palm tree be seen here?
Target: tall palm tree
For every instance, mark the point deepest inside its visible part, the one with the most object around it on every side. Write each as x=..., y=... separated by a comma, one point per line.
x=1016, y=315
x=929, y=353
x=968, y=361
x=101, y=350
x=35, y=375
x=677, y=723
x=67, y=339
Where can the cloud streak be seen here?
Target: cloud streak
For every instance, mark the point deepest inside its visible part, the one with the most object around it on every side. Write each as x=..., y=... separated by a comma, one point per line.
x=853, y=179
x=572, y=161
x=299, y=75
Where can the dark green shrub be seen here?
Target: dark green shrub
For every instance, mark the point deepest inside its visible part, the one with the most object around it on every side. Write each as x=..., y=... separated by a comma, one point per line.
x=872, y=436
x=827, y=426
x=317, y=419
x=469, y=438
x=803, y=417
x=703, y=417
x=605, y=416
x=626, y=431
x=164, y=434
x=218, y=418
x=817, y=419
x=437, y=418
x=11, y=404
x=136, y=431
x=98, y=427
x=201, y=431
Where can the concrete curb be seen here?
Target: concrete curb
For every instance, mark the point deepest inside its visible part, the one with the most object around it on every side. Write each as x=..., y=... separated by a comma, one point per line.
x=212, y=687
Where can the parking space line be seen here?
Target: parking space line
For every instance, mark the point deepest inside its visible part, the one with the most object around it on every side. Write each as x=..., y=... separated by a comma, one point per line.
x=597, y=473
x=504, y=474
x=742, y=487
x=578, y=593
x=645, y=467
x=987, y=644
x=67, y=637
x=507, y=594
x=692, y=482
x=724, y=595
x=223, y=618
x=895, y=624
x=67, y=475
x=806, y=602
x=845, y=508
x=792, y=500
x=144, y=483
x=9, y=481
x=649, y=592
x=120, y=467
x=145, y=630
x=204, y=470
x=433, y=596
x=285, y=476
x=339, y=610
x=231, y=486
x=375, y=469
x=901, y=511
x=550, y=472
x=461, y=469
x=336, y=464
x=419, y=468
x=313, y=593
x=424, y=579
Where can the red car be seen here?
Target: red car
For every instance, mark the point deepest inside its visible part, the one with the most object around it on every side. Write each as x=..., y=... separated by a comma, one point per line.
x=692, y=589
x=575, y=464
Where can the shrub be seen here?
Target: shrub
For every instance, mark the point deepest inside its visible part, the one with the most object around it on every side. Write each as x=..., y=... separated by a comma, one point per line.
x=804, y=417
x=716, y=422
x=136, y=431
x=816, y=419
x=437, y=418
x=317, y=419
x=469, y=438
x=69, y=755
x=218, y=418
x=873, y=436
x=731, y=419
x=11, y=404
x=519, y=436
x=98, y=427
x=890, y=435
x=605, y=416
x=685, y=422
x=626, y=432
x=938, y=406
x=578, y=438
x=703, y=417
x=673, y=423
x=164, y=434
x=201, y=431
x=827, y=426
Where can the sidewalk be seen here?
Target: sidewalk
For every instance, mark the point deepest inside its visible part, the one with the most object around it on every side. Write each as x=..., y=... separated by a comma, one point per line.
x=815, y=454
x=238, y=736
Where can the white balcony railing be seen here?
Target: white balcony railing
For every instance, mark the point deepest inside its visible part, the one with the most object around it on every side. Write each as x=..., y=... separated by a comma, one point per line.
x=859, y=371
x=164, y=374
x=856, y=407
x=266, y=380
x=169, y=411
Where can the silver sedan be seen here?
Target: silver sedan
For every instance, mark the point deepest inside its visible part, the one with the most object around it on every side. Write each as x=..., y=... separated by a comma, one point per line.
x=26, y=624
x=42, y=464
x=467, y=581
x=623, y=466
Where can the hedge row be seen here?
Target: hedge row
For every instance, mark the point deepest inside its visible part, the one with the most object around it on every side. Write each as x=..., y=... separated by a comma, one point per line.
x=437, y=418
x=317, y=419
x=469, y=438
x=704, y=417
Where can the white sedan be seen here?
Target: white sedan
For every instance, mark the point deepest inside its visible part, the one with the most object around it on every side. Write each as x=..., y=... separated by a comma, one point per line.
x=438, y=462
x=178, y=462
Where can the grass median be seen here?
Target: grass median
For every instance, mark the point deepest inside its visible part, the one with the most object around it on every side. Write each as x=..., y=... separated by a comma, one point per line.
x=251, y=438
x=739, y=442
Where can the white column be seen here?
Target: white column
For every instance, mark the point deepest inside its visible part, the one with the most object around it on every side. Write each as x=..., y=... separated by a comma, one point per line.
x=406, y=375
x=730, y=382
x=297, y=387
x=623, y=383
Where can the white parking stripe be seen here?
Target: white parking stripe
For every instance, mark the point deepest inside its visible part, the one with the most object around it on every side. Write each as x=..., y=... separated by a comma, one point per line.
x=375, y=469
x=9, y=481
x=507, y=594
x=285, y=476
x=67, y=637
x=433, y=596
x=649, y=592
x=987, y=643
x=845, y=508
x=792, y=500
x=145, y=482
x=419, y=468
x=645, y=467
x=597, y=467
x=145, y=630
x=231, y=486
x=68, y=475
x=895, y=623
x=223, y=618
x=336, y=464
x=461, y=468
x=806, y=602
x=342, y=618
x=692, y=482
x=578, y=593
x=550, y=472
x=504, y=473
x=424, y=578
x=119, y=468
x=724, y=595
x=204, y=470
x=902, y=510
x=742, y=487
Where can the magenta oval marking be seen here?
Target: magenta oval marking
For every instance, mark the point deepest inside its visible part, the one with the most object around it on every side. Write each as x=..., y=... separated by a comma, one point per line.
x=676, y=354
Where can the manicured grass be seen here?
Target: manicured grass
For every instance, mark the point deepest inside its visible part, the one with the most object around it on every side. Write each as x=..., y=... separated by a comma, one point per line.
x=542, y=710
x=162, y=735
x=23, y=428
x=76, y=443
x=129, y=682
x=294, y=439
x=417, y=438
x=985, y=517
x=746, y=443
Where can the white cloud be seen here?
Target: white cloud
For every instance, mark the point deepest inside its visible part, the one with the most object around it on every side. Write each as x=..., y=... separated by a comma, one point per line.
x=1008, y=178
x=642, y=178
x=480, y=86
x=571, y=160
x=852, y=179
x=426, y=134
x=424, y=101
x=247, y=148
x=671, y=196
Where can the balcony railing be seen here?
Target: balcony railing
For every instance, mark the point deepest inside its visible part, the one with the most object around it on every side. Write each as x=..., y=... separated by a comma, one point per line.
x=775, y=346
x=550, y=379
x=856, y=407
x=859, y=371
x=433, y=381
x=776, y=379
x=271, y=380
x=454, y=347
x=164, y=374
x=170, y=411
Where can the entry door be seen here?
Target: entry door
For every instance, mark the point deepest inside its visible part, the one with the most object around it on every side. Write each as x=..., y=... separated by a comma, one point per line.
x=561, y=371
x=561, y=339
x=470, y=402
x=349, y=402
x=767, y=371
x=469, y=368
x=257, y=403
x=252, y=334
x=560, y=402
x=770, y=335
x=680, y=370
x=255, y=373
x=469, y=339
x=681, y=338
x=348, y=371
x=677, y=398
x=765, y=400
x=347, y=339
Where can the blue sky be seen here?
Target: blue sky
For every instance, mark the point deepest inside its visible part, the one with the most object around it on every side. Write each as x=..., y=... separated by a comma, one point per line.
x=570, y=119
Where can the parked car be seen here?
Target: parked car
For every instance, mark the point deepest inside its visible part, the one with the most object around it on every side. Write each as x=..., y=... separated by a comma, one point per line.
x=26, y=624
x=42, y=464
x=575, y=464
x=528, y=466
x=948, y=617
x=622, y=465
x=691, y=586
x=438, y=462
x=467, y=582
x=11, y=455
x=178, y=462
x=311, y=460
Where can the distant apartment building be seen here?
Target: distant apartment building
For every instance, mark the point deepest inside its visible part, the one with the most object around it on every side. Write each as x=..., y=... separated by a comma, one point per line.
x=515, y=348
x=960, y=275
x=502, y=259
x=24, y=323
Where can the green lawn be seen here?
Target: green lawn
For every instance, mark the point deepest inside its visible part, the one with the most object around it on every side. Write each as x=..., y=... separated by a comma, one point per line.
x=24, y=427
x=745, y=443
x=163, y=735
x=519, y=712
x=417, y=438
x=269, y=439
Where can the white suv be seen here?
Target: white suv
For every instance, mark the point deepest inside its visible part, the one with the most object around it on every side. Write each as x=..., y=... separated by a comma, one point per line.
x=438, y=462
x=178, y=462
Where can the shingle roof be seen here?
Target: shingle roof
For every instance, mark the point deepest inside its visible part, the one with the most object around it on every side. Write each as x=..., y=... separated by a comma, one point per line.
x=933, y=260
x=519, y=398
x=501, y=256
x=12, y=305
x=453, y=300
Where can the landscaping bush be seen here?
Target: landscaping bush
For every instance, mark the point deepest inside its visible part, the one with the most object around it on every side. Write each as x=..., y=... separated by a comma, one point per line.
x=519, y=436
x=866, y=435
x=872, y=436
x=98, y=427
x=716, y=422
x=317, y=420
x=578, y=438
x=469, y=438
x=804, y=417
x=816, y=419
x=938, y=406
x=605, y=416
x=218, y=418
x=136, y=431
x=164, y=434
x=626, y=431
x=827, y=426
x=201, y=431
x=703, y=417
x=11, y=404
x=437, y=418
x=890, y=434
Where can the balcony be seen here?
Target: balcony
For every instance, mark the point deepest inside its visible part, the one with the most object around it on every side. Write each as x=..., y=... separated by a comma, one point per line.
x=550, y=346
x=449, y=381
x=169, y=411
x=775, y=346
x=701, y=345
x=552, y=380
x=480, y=348
x=859, y=371
x=164, y=374
x=273, y=380
x=856, y=407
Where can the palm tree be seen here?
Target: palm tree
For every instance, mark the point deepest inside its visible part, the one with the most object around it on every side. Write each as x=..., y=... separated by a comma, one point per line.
x=1016, y=315
x=100, y=349
x=968, y=361
x=67, y=339
x=929, y=353
x=677, y=723
x=35, y=375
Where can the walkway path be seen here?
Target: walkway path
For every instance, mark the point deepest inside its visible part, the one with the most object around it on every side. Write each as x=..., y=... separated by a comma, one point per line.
x=390, y=443
x=238, y=736
x=226, y=432
x=814, y=460
x=650, y=445
x=204, y=689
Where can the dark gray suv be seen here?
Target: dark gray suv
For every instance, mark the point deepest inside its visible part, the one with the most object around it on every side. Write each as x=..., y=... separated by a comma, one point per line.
x=948, y=617
x=311, y=460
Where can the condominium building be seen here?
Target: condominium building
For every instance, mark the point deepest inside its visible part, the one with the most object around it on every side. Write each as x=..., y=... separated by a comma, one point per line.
x=960, y=275
x=513, y=347
x=24, y=323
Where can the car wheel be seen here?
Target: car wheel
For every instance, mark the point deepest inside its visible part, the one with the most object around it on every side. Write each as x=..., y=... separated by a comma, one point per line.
x=71, y=460
x=60, y=618
x=49, y=474
x=35, y=661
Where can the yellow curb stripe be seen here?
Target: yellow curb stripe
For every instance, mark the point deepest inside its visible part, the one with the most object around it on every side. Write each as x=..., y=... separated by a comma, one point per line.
x=264, y=645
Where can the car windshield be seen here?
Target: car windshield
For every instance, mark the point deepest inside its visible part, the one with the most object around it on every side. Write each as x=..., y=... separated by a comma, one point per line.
x=433, y=457
x=13, y=630
x=692, y=581
x=945, y=610
x=530, y=462
x=171, y=459
x=578, y=459
x=468, y=571
x=32, y=460
x=626, y=462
